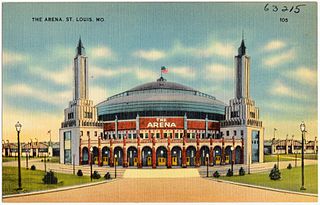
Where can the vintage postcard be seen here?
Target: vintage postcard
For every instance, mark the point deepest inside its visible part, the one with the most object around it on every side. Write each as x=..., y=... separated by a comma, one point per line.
x=159, y=102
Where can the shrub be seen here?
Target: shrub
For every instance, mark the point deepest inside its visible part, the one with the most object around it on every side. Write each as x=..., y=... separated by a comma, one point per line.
x=216, y=174
x=241, y=171
x=107, y=176
x=229, y=173
x=33, y=167
x=289, y=166
x=275, y=173
x=49, y=178
x=79, y=173
x=96, y=175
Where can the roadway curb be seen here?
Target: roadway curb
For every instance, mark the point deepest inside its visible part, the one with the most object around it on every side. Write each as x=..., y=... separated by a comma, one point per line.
x=58, y=189
x=262, y=187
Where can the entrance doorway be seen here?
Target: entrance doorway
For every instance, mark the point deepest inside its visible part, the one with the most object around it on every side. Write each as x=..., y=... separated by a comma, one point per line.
x=161, y=155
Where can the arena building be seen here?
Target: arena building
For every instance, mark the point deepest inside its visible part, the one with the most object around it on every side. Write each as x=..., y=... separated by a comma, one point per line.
x=161, y=123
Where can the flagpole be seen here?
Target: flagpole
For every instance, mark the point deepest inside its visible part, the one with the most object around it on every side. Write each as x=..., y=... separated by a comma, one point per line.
x=161, y=72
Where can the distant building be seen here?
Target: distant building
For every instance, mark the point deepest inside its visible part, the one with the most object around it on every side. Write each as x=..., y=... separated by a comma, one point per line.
x=32, y=149
x=289, y=146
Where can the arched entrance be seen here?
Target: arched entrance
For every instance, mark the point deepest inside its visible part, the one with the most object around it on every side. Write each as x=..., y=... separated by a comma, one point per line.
x=146, y=156
x=176, y=156
x=95, y=153
x=132, y=154
x=217, y=155
x=119, y=153
x=228, y=156
x=105, y=156
x=191, y=155
x=238, y=155
x=161, y=156
x=203, y=155
x=85, y=155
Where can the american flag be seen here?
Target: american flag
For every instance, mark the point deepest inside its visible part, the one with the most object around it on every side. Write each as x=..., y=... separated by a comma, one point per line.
x=164, y=69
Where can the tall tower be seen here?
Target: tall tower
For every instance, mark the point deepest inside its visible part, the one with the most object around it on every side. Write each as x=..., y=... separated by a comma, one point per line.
x=81, y=90
x=242, y=116
x=80, y=117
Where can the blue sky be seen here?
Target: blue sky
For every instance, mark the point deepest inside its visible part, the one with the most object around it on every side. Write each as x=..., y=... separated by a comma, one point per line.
x=196, y=41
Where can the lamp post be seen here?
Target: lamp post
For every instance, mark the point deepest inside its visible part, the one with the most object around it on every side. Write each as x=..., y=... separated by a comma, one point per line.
x=45, y=162
x=115, y=166
x=303, y=130
x=207, y=164
x=278, y=159
x=18, y=128
x=295, y=162
x=232, y=159
x=91, y=150
x=27, y=155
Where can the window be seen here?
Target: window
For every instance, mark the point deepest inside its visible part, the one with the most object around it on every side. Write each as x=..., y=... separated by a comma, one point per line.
x=95, y=133
x=188, y=135
x=227, y=133
x=70, y=115
x=241, y=132
x=176, y=135
x=67, y=147
x=88, y=133
x=146, y=135
x=141, y=135
x=165, y=135
x=134, y=135
x=87, y=114
x=234, y=114
x=158, y=135
x=234, y=132
x=252, y=114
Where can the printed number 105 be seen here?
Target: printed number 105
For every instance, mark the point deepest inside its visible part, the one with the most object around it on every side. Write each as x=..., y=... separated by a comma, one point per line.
x=283, y=20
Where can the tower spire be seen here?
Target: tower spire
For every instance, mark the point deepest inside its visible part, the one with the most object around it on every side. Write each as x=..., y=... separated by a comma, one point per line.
x=80, y=48
x=242, y=48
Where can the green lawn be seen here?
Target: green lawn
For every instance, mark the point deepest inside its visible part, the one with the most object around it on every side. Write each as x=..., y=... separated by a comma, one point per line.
x=288, y=157
x=32, y=180
x=290, y=179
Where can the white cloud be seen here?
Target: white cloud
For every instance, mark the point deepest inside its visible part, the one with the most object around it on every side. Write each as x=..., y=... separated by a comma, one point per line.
x=63, y=76
x=97, y=94
x=280, y=89
x=184, y=72
x=101, y=52
x=219, y=72
x=11, y=58
x=144, y=74
x=274, y=45
x=304, y=75
x=50, y=97
x=96, y=71
x=279, y=59
x=151, y=55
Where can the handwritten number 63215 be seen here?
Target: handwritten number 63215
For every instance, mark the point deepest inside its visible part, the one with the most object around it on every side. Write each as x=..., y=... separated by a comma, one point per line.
x=275, y=8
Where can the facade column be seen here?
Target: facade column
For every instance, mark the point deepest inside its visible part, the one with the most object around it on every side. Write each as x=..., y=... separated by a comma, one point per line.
x=242, y=151
x=89, y=153
x=111, y=160
x=234, y=150
x=198, y=157
x=80, y=153
x=169, y=163
x=211, y=156
x=154, y=157
x=222, y=162
x=139, y=164
x=99, y=152
x=184, y=157
x=124, y=159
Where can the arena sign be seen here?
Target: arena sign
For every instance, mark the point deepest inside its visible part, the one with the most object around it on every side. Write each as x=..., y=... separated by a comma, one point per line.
x=161, y=123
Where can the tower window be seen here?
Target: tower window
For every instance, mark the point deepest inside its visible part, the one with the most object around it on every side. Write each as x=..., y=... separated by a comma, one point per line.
x=87, y=114
x=227, y=133
x=70, y=115
x=234, y=114
x=234, y=132
x=241, y=132
x=252, y=115
x=88, y=133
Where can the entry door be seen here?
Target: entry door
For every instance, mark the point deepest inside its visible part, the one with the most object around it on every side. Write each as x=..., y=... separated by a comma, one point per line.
x=161, y=161
x=135, y=161
x=116, y=161
x=174, y=161
x=149, y=162
x=188, y=161
x=217, y=159
x=95, y=160
x=105, y=161
x=227, y=159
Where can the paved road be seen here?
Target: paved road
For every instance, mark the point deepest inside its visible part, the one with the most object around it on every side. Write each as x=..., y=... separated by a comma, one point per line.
x=165, y=190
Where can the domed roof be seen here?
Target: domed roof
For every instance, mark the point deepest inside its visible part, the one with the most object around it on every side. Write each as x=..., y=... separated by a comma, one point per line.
x=161, y=83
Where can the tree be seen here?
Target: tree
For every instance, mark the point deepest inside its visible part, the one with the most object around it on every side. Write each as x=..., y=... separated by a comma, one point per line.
x=275, y=173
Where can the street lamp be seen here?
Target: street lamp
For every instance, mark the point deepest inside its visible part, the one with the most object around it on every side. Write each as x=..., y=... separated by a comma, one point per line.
x=207, y=165
x=91, y=152
x=27, y=155
x=18, y=128
x=115, y=166
x=303, y=130
x=232, y=159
